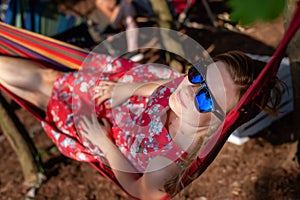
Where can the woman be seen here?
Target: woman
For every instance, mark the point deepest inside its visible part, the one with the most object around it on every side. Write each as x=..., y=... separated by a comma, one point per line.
x=148, y=142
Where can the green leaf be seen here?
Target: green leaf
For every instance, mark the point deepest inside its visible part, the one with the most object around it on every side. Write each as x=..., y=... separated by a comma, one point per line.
x=248, y=11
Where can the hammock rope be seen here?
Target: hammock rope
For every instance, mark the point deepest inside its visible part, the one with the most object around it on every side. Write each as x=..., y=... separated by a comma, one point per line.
x=62, y=56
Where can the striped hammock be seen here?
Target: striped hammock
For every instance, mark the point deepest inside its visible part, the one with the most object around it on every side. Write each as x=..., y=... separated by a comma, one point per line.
x=65, y=57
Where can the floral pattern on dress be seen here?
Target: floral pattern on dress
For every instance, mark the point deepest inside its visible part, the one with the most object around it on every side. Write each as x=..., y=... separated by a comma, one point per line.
x=137, y=128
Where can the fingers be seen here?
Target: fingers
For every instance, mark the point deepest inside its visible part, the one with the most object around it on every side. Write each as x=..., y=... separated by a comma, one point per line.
x=107, y=82
x=84, y=126
x=103, y=91
x=83, y=129
x=100, y=90
x=84, y=121
x=101, y=94
x=94, y=119
x=89, y=125
x=101, y=99
x=105, y=85
x=106, y=123
x=88, y=121
x=92, y=129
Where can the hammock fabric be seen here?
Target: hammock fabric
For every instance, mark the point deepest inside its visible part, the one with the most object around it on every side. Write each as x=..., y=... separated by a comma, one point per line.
x=182, y=5
x=61, y=56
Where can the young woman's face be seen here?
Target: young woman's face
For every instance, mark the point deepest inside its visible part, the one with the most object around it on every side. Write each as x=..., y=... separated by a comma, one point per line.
x=221, y=87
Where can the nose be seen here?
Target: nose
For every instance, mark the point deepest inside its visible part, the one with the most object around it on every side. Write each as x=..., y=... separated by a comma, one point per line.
x=195, y=87
x=192, y=89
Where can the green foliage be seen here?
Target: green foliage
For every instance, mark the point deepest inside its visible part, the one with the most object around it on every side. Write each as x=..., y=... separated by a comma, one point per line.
x=248, y=11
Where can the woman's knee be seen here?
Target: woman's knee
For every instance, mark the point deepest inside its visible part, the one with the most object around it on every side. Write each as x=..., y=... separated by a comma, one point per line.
x=49, y=76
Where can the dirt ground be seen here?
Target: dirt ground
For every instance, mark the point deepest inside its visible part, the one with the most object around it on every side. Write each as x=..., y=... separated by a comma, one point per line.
x=262, y=168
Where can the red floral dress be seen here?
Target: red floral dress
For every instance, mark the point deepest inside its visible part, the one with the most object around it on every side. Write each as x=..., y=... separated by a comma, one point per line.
x=137, y=127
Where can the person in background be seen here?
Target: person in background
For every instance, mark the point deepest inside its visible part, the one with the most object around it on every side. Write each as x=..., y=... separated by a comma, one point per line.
x=122, y=13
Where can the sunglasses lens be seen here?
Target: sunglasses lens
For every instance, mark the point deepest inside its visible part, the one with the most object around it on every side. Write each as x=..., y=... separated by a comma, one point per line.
x=194, y=76
x=204, y=101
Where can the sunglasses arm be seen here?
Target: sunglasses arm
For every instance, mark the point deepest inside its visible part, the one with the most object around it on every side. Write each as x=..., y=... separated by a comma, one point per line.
x=219, y=115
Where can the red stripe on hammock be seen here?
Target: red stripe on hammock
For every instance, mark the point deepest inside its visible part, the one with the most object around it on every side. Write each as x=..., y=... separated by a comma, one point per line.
x=75, y=50
x=35, y=37
x=69, y=55
x=16, y=51
x=11, y=48
x=45, y=49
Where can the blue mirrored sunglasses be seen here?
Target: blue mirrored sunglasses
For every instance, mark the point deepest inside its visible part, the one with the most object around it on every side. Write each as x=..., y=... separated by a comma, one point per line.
x=203, y=99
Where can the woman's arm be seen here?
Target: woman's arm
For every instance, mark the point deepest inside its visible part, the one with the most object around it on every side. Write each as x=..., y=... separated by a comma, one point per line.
x=120, y=92
x=146, y=89
x=150, y=184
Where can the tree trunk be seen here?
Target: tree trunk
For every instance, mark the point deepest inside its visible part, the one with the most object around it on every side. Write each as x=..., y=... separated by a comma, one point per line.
x=293, y=52
x=20, y=141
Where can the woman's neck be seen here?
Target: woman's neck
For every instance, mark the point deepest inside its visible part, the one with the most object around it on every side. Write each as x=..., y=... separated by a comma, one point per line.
x=171, y=122
x=183, y=138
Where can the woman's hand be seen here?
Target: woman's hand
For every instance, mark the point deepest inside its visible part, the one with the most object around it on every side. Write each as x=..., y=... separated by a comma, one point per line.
x=120, y=92
x=93, y=130
x=116, y=92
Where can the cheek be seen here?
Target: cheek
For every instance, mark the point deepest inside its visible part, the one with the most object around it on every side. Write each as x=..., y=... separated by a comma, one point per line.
x=192, y=116
x=190, y=111
x=186, y=105
x=197, y=119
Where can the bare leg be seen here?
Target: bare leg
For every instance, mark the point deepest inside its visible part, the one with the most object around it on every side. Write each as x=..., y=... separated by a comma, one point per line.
x=127, y=15
x=28, y=80
x=131, y=34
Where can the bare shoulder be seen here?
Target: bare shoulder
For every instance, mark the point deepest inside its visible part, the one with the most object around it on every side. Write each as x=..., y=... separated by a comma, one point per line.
x=159, y=171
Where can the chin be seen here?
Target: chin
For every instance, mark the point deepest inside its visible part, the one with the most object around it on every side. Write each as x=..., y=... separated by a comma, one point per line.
x=174, y=105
